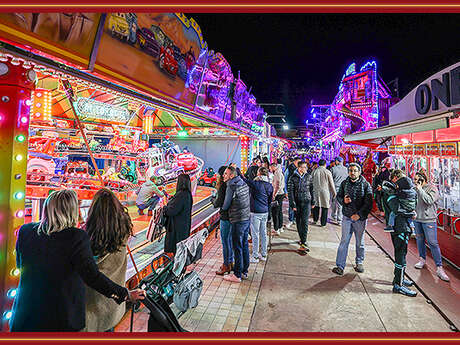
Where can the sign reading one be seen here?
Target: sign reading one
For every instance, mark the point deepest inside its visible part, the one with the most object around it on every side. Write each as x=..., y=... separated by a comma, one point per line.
x=88, y=108
x=447, y=91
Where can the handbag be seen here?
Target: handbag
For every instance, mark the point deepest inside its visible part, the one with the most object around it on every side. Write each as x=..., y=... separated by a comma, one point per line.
x=188, y=291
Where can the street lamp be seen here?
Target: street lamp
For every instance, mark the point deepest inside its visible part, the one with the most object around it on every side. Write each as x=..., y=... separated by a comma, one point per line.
x=285, y=127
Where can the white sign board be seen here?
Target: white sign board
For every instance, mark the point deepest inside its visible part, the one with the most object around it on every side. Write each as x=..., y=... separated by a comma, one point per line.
x=436, y=95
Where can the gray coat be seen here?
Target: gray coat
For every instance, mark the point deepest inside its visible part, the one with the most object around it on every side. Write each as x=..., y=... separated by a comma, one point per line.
x=339, y=174
x=426, y=209
x=323, y=187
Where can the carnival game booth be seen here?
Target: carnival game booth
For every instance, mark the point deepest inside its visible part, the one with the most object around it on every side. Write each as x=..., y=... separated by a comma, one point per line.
x=424, y=134
x=78, y=105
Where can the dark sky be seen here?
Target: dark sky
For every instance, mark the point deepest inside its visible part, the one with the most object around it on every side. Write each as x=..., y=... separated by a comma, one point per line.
x=294, y=58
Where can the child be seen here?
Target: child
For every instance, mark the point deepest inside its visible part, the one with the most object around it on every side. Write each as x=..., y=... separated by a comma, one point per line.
x=406, y=206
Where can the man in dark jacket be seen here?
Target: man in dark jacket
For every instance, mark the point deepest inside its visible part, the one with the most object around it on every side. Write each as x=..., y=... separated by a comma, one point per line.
x=400, y=235
x=261, y=195
x=238, y=206
x=225, y=226
x=252, y=170
x=300, y=191
x=355, y=196
x=290, y=170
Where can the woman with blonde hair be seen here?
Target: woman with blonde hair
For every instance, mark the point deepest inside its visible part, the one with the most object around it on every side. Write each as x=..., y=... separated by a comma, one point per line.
x=55, y=260
x=108, y=226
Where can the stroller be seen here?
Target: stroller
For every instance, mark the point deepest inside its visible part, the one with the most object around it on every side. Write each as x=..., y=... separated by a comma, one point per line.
x=170, y=283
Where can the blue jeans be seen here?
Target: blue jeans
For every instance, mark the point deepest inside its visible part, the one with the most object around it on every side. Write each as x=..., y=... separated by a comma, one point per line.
x=240, y=232
x=349, y=227
x=259, y=233
x=428, y=232
x=291, y=214
x=226, y=238
x=151, y=203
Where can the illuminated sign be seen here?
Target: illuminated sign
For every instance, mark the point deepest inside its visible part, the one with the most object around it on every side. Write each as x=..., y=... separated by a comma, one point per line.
x=88, y=108
x=432, y=149
x=419, y=150
x=448, y=149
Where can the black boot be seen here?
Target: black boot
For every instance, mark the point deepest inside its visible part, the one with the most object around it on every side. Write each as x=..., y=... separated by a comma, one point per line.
x=404, y=290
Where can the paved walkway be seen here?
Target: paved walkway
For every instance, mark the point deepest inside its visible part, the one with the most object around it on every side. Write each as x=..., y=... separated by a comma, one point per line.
x=298, y=293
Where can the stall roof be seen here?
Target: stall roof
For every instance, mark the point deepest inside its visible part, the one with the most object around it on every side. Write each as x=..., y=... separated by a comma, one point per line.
x=376, y=137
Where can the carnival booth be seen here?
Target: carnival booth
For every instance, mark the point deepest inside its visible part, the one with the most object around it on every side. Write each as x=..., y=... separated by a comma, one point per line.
x=423, y=134
x=104, y=102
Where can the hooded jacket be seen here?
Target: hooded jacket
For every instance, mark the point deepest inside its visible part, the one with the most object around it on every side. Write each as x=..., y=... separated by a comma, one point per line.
x=300, y=189
x=237, y=200
x=360, y=193
x=261, y=194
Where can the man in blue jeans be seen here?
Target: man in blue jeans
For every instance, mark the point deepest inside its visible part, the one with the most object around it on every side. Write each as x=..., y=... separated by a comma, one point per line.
x=237, y=203
x=355, y=196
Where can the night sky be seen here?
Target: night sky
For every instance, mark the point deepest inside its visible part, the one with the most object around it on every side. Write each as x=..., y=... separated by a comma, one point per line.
x=296, y=58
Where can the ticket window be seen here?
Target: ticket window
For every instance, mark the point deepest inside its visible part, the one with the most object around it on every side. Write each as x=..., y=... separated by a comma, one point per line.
x=449, y=185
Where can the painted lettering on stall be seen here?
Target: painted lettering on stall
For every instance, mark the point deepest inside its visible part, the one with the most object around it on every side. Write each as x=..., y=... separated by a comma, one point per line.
x=447, y=91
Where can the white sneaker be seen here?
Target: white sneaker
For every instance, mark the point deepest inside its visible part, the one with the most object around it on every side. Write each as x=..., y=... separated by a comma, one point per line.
x=281, y=230
x=420, y=264
x=253, y=260
x=442, y=274
x=232, y=278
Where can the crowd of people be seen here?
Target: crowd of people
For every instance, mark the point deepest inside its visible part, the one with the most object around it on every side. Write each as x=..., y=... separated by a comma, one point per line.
x=247, y=202
x=73, y=272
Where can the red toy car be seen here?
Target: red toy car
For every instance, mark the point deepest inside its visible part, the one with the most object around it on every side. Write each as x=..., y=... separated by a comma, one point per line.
x=209, y=178
x=187, y=161
x=167, y=60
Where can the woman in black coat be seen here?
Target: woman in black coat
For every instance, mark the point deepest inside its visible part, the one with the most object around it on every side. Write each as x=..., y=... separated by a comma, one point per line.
x=56, y=261
x=179, y=214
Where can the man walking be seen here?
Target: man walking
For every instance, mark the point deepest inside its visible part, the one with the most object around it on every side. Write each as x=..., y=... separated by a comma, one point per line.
x=291, y=169
x=300, y=191
x=355, y=196
x=237, y=203
x=323, y=187
x=278, y=197
x=339, y=174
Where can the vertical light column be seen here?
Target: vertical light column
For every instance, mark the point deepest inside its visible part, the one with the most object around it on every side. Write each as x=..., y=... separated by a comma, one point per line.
x=244, y=153
x=17, y=79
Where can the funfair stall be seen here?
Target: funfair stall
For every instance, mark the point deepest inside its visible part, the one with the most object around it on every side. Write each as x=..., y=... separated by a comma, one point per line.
x=424, y=133
x=79, y=108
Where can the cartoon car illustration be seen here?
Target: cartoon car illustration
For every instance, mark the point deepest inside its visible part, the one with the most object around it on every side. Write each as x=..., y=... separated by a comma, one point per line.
x=39, y=169
x=119, y=26
x=167, y=61
x=187, y=160
x=80, y=175
x=148, y=43
x=164, y=175
x=209, y=177
x=125, y=145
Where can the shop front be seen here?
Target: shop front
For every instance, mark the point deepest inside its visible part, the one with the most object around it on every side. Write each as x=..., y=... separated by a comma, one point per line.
x=424, y=134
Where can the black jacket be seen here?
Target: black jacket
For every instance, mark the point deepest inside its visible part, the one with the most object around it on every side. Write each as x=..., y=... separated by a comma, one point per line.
x=252, y=172
x=261, y=194
x=360, y=193
x=54, y=270
x=395, y=204
x=300, y=189
x=218, y=202
x=179, y=219
x=237, y=200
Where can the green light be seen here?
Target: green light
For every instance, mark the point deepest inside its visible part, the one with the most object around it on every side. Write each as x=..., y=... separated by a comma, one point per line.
x=19, y=195
x=182, y=134
x=20, y=138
